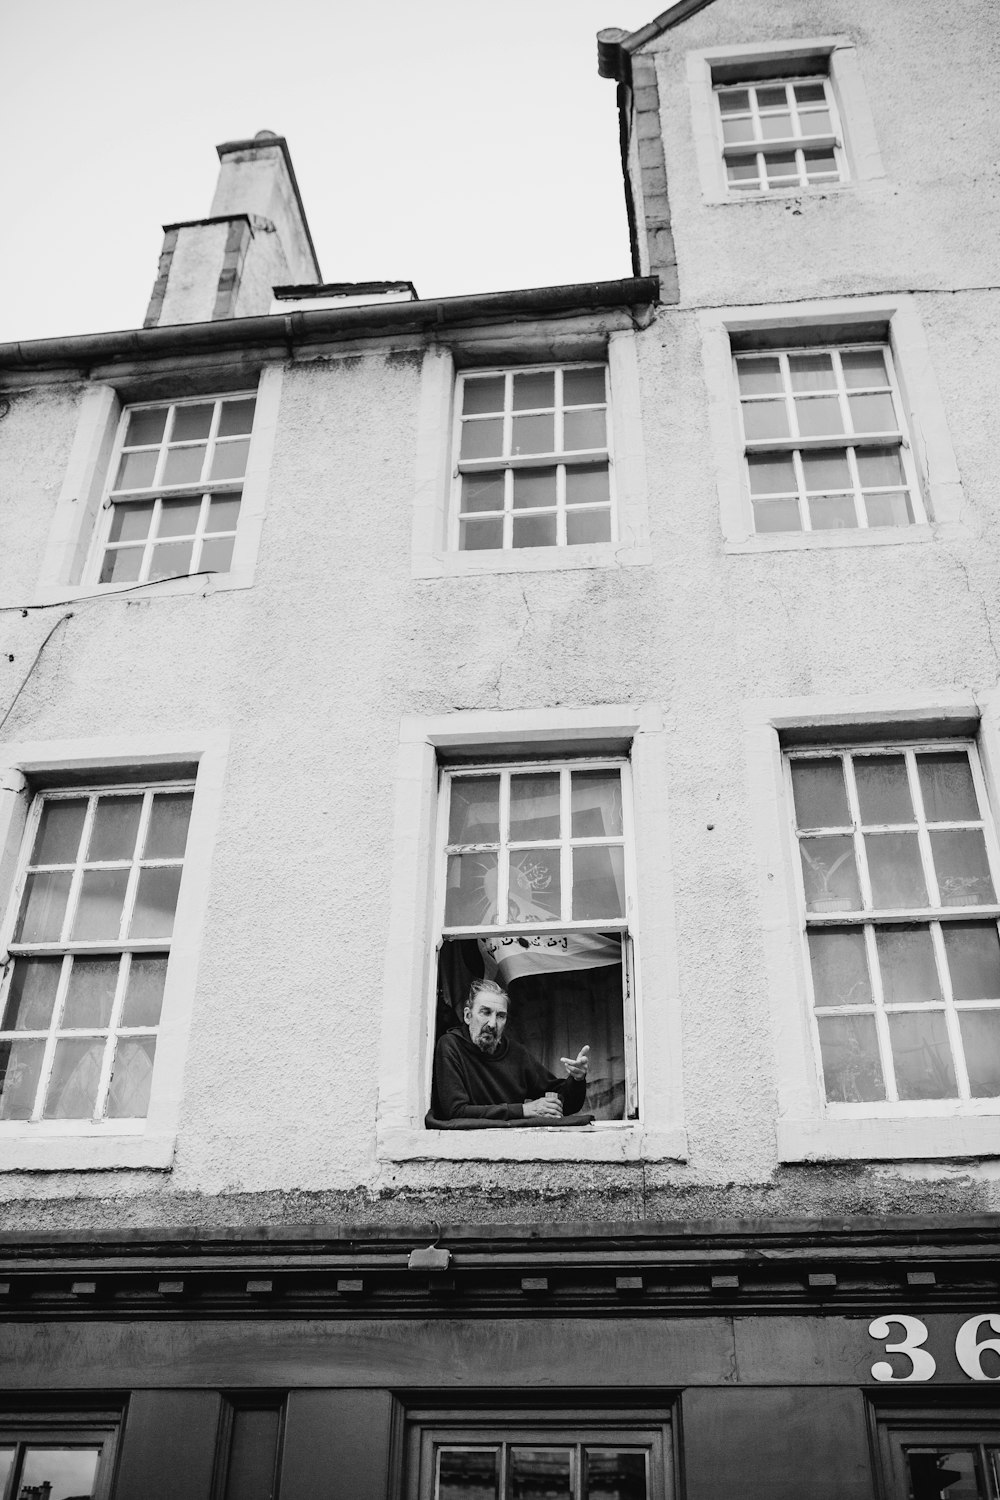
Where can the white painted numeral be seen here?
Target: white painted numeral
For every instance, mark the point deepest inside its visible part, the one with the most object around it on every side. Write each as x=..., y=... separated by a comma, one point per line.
x=915, y=1332
x=969, y=1346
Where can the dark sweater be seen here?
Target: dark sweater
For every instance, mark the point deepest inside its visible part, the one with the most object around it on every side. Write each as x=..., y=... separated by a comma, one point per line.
x=472, y=1085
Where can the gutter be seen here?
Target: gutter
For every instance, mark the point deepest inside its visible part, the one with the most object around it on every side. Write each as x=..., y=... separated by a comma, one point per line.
x=321, y=325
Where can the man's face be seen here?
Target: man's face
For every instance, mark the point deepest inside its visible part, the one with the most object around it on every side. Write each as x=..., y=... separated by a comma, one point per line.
x=486, y=1019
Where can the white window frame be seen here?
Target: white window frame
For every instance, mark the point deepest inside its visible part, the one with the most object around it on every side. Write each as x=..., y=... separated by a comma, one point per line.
x=563, y=764
x=411, y=954
x=807, y=1127
x=71, y=562
x=797, y=142
x=74, y=1145
x=928, y=451
x=435, y=551
x=780, y=62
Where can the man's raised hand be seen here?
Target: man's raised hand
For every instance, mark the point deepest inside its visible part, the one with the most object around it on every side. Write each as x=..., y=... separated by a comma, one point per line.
x=577, y=1066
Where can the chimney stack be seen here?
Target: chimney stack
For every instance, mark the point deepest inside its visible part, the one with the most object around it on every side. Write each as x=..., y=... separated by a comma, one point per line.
x=255, y=237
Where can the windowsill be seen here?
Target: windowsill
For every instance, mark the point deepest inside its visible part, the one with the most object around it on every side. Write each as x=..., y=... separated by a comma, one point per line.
x=195, y=583
x=780, y=195
x=530, y=560
x=875, y=1139
x=798, y=541
x=89, y=1149
x=604, y=1142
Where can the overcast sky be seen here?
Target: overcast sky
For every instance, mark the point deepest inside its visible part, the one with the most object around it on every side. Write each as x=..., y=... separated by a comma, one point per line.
x=465, y=145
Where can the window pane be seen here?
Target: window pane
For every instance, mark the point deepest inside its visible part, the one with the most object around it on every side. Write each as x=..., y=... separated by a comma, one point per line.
x=534, y=807
x=896, y=873
x=541, y=1474
x=820, y=793
x=534, y=487
x=192, y=422
x=906, y=959
x=471, y=896
x=533, y=435
x=121, y=566
x=806, y=93
x=229, y=460
x=815, y=122
x=776, y=515
x=973, y=959
x=99, y=911
x=483, y=394
x=71, y=1473
x=171, y=560
x=863, y=367
x=829, y=874
x=144, y=995
x=818, y=416
x=482, y=492
x=32, y=994
x=184, y=465
x=90, y=994
x=166, y=835
x=155, y=901
x=216, y=555
x=781, y=165
x=43, y=908
x=981, y=1043
x=223, y=513
x=851, y=1067
x=733, y=100
x=765, y=419
x=922, y=1055
x=770, y=475
x=237, y=416
x=584, y=429
x=478, y=536
x=820, y=165
x=614, y=1475
x=482, y=439
x=534, y=531
x=596, y=800
x=940, y=1475
x=889, y=510
x=880, y=466
x=826, y=469
x=832, y=512
x=179, y=518
x=811, y=372
x=537, y=388
x=599, y=882
x=759, y=377
x=112, y=834
x=883, y=789
x=130, y=523
x=776, y=127
x=583, y=526
x=467, y=1474
x=131, y=1077
x=76, y=1073
x=57, y=841
x=872, y=413
x=737, y=129
x=839, y=966
x=583, y=387
x=474, y=816
x=963, y=870
x=145, y=427
x=535, y=892
x=587, y=484
x=772, y=98
x=948, y=790
x=136, y=470
x=20, y=1068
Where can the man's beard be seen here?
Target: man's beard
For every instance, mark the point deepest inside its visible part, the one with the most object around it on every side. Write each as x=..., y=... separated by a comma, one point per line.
x=487, y=1041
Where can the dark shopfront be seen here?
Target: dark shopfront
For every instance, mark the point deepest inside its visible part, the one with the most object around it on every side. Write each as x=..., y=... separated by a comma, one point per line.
x=592, y=1362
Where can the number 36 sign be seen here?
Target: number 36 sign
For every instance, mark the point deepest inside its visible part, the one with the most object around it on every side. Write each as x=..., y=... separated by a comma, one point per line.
x=970, y=1346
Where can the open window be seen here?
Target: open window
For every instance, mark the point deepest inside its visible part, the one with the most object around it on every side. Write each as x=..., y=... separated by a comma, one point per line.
x=535, y=874
x=947, y=1452
x=57, y=1457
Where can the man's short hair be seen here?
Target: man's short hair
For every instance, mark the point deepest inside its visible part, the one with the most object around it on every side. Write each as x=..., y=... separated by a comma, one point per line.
x=484, y=987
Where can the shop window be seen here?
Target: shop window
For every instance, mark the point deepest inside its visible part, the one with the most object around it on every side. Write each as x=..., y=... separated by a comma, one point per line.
x=899, y=894
x=174, y=490
x=532, y=460
x=91, y=926
x=56, y=1458
x=824, y=439
x=780, y=133
x=621, y=1458
x=535, y=893
x=948, y=1454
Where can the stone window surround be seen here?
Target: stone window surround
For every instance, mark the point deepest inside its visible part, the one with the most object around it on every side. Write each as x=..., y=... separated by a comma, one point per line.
x=863, y=156
x=407, y=1016
x=831, y=321
x=807, y=1128
x=73, y=1145
x=431, y=557
x=69, y=548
